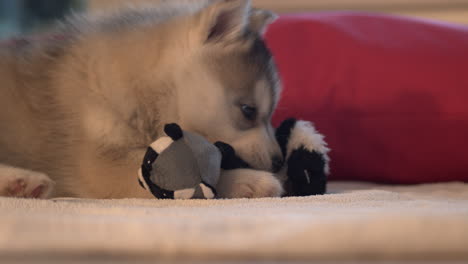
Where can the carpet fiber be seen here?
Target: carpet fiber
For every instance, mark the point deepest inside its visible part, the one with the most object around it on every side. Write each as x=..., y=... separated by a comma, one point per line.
x=354, y=221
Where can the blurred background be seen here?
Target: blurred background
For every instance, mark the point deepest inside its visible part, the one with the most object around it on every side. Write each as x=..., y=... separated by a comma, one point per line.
x=22, y=16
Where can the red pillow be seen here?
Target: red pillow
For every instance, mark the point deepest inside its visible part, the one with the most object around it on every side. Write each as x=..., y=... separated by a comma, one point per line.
x=390, y=93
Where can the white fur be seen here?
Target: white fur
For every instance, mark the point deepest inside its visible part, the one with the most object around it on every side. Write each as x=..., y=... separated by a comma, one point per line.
x=247, y=183
x=22, y=183
x=305, y=134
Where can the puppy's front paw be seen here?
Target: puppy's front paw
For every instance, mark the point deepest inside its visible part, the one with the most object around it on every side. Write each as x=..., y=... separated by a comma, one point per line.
x=247, y=183
x=15, y=182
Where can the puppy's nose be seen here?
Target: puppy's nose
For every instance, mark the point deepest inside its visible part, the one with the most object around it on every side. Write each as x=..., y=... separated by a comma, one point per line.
x=277, y=163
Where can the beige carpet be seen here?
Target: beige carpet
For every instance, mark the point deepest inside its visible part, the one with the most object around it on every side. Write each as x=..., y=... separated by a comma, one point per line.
x=354, y=221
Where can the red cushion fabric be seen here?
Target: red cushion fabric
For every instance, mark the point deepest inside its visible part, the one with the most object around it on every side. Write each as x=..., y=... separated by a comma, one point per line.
x=390, y=93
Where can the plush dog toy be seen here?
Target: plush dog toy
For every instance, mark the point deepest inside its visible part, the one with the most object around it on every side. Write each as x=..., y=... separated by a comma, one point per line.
x=306, y=156
x=184, y=165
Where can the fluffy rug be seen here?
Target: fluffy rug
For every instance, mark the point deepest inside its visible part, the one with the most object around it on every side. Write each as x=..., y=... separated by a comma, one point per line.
x=354, y=221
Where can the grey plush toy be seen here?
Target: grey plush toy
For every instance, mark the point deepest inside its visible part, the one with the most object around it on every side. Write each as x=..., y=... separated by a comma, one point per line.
x=185, y=165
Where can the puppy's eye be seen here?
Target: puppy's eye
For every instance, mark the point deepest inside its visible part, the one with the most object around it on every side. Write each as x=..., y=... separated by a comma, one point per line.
x=249, y=112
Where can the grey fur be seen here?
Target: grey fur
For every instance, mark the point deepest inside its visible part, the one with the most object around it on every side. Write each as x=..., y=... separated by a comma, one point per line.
x=186, y=163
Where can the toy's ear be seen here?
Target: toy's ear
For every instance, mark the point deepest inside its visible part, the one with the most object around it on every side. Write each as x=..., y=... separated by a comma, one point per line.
x=283, y=133
x=174, y=131
x=230, y=161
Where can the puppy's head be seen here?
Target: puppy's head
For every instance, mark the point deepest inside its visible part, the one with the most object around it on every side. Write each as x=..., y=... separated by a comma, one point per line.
x=229, y=87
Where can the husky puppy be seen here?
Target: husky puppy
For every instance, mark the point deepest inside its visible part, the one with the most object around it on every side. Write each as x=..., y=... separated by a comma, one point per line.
x=80, y=106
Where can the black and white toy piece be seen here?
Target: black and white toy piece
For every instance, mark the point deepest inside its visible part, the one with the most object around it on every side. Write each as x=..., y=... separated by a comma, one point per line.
x=306, y=155
x=230, y=160
x=183, y=165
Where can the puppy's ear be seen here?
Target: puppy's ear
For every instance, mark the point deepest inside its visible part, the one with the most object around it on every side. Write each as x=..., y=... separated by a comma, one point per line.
x=225, y=20
x=260, y=20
